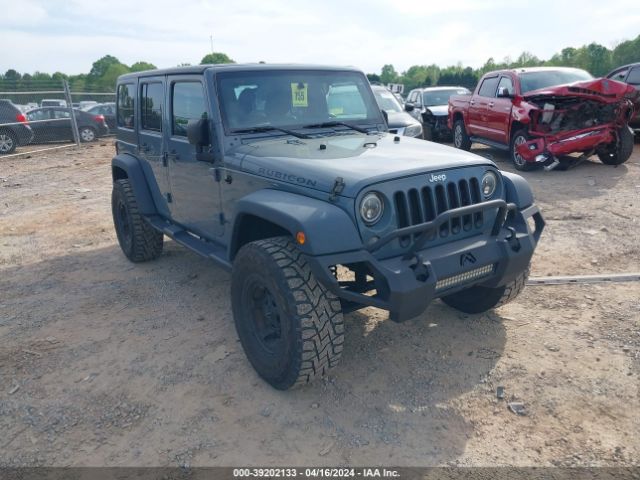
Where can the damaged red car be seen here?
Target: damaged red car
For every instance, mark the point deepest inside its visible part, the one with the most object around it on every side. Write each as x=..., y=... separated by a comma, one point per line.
x=546, y=117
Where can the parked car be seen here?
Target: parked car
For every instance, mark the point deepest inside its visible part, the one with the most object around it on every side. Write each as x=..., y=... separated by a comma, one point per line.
x=540, y=114
x=108, y=110
x=630, y=74
x=398, y=120
x=53, y=124
x=430, y=107
x=14, y=129
x=53, y=102
x=286, y=177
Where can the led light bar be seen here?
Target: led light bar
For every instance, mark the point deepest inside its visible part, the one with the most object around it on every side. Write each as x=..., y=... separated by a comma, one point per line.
x=465, y=277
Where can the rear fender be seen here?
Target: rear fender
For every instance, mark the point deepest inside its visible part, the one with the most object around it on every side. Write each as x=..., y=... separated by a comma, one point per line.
x=130, y=166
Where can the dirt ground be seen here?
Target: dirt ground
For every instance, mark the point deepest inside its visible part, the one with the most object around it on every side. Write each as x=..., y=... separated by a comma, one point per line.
x=103, y=362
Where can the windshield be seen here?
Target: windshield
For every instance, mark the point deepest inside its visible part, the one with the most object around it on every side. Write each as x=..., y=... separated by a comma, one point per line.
x=295, y=99
x=530, y=81
x=386, y=100
x=441, y=97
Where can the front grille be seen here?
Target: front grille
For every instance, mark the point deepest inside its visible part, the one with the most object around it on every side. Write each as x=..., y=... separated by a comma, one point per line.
x=419, y=205
x=465, y=277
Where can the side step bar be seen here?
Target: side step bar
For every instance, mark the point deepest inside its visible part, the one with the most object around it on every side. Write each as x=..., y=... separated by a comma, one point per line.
x=196, y=244
x=489, y=143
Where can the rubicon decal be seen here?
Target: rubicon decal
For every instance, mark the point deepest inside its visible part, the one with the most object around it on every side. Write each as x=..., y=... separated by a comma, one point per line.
x=287, y=177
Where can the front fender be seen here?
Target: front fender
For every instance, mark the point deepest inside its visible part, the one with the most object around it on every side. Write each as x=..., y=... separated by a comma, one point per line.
x=134, y=172
x=328, y=228
x=518, y=190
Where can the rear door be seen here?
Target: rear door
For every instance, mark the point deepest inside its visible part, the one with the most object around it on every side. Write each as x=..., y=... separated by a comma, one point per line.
x=499, y=113
x=151, y=95
x=479, y=105
x=196, y=193
x=61, y=125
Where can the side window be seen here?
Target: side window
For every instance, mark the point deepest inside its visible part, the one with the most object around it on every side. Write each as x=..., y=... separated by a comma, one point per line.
x=126, y=104
x=38, y=115
x=187, y=103
x=506, y=83
x=634, y=76
x=620, y=75
x=488, y=87
x=151, y=97
x=412, y=96
x=61, y=114
x=418, y=100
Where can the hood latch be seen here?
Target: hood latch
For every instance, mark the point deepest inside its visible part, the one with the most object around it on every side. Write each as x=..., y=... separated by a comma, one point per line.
x=338, y=186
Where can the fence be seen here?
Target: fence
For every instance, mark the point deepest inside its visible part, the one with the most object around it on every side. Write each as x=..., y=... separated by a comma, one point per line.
x=48, y=115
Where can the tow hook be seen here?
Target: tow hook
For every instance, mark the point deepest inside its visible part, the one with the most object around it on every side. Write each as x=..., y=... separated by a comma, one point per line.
x=420, y=270
x=512, y=240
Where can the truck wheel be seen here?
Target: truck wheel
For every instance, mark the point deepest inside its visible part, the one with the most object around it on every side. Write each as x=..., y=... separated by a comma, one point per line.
x=479, y=299
x=518, y=138
x=620, y=151
x=290, y=326
x=460, y=138
x=8, y=142
x=139, y=241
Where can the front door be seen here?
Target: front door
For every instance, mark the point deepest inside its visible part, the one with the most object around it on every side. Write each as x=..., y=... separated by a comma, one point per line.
x=196, y=193
x=499, y=113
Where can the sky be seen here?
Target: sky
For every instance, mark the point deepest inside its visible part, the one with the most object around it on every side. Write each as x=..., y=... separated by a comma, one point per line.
x=68, y=36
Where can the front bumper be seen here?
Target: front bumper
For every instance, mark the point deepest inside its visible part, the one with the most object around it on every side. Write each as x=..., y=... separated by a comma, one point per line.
x=545, y=149
x=405, y=285
x=438, y=125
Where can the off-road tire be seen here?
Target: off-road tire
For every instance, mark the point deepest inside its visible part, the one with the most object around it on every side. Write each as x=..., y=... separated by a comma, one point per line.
x=9, y=142
x=479, y=299
x=311, y=329
x=461, y=139
x=519, y=162
x=139, y=241
x=620, y=151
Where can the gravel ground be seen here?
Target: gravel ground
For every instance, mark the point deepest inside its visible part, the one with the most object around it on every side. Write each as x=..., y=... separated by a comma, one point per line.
x=103, y=362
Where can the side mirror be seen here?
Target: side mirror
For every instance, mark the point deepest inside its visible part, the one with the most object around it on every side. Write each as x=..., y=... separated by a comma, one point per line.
x=198, y=132
x=503, y=92
x=409, y=107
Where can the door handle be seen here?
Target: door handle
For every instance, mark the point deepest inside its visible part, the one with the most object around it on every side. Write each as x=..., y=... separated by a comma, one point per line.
x=174, y=154
x=145, y=148
x=491, y=104
x=472, y=102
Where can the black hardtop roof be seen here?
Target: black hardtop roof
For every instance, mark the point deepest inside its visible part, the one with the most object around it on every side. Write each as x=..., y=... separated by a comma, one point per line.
x=231, y=67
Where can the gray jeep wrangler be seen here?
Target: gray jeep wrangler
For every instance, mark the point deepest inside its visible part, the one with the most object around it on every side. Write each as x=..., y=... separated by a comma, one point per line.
x=286, y=176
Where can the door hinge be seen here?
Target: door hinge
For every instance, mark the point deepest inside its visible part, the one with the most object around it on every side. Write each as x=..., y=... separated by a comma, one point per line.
x=165, y=159
x=169, y=198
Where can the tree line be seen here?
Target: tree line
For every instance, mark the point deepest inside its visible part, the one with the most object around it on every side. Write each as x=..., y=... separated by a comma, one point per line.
x=101, y=78
x=595, y=58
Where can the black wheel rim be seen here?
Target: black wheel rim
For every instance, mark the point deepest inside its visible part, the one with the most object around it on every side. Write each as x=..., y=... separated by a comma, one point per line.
x=123, y=223
x=264, y=315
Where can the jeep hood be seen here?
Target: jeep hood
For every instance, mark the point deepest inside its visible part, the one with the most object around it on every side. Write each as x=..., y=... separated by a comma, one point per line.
x=360, y=160
x=601, y=89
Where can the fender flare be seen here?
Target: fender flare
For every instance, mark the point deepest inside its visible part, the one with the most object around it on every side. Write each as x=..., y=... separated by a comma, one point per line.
x=134, y=172
x=517, y=190
x=328, y=228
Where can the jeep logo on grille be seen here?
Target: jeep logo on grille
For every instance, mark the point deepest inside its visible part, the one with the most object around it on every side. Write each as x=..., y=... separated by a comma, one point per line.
x=437, y=178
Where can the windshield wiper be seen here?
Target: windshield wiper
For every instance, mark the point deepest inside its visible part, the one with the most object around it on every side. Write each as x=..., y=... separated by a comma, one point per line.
x=269, y=129
x=336, y=124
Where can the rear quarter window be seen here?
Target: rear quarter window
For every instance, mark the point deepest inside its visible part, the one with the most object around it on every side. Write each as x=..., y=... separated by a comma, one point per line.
x=126, y=105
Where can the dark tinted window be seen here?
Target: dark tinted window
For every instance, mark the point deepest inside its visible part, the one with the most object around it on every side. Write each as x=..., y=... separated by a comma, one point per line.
x=634, y=76
x=151, y=98
x=38, y=115
x=488, y=88
x=126, y=104
x=187, y=104
x=61, y=114
x=506, y=83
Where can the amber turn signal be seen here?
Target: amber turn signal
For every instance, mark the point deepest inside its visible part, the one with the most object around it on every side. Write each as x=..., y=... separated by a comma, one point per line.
x=301, y=238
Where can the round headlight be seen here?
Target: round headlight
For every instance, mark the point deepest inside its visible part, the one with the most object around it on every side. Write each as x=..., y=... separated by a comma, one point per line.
x=371, y=208
x=489, y=184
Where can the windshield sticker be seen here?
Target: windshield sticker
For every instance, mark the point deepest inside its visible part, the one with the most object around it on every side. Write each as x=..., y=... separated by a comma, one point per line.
x=299, y=94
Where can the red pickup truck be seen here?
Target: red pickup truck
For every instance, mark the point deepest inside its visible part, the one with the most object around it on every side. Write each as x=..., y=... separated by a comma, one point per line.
x=544, y=113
